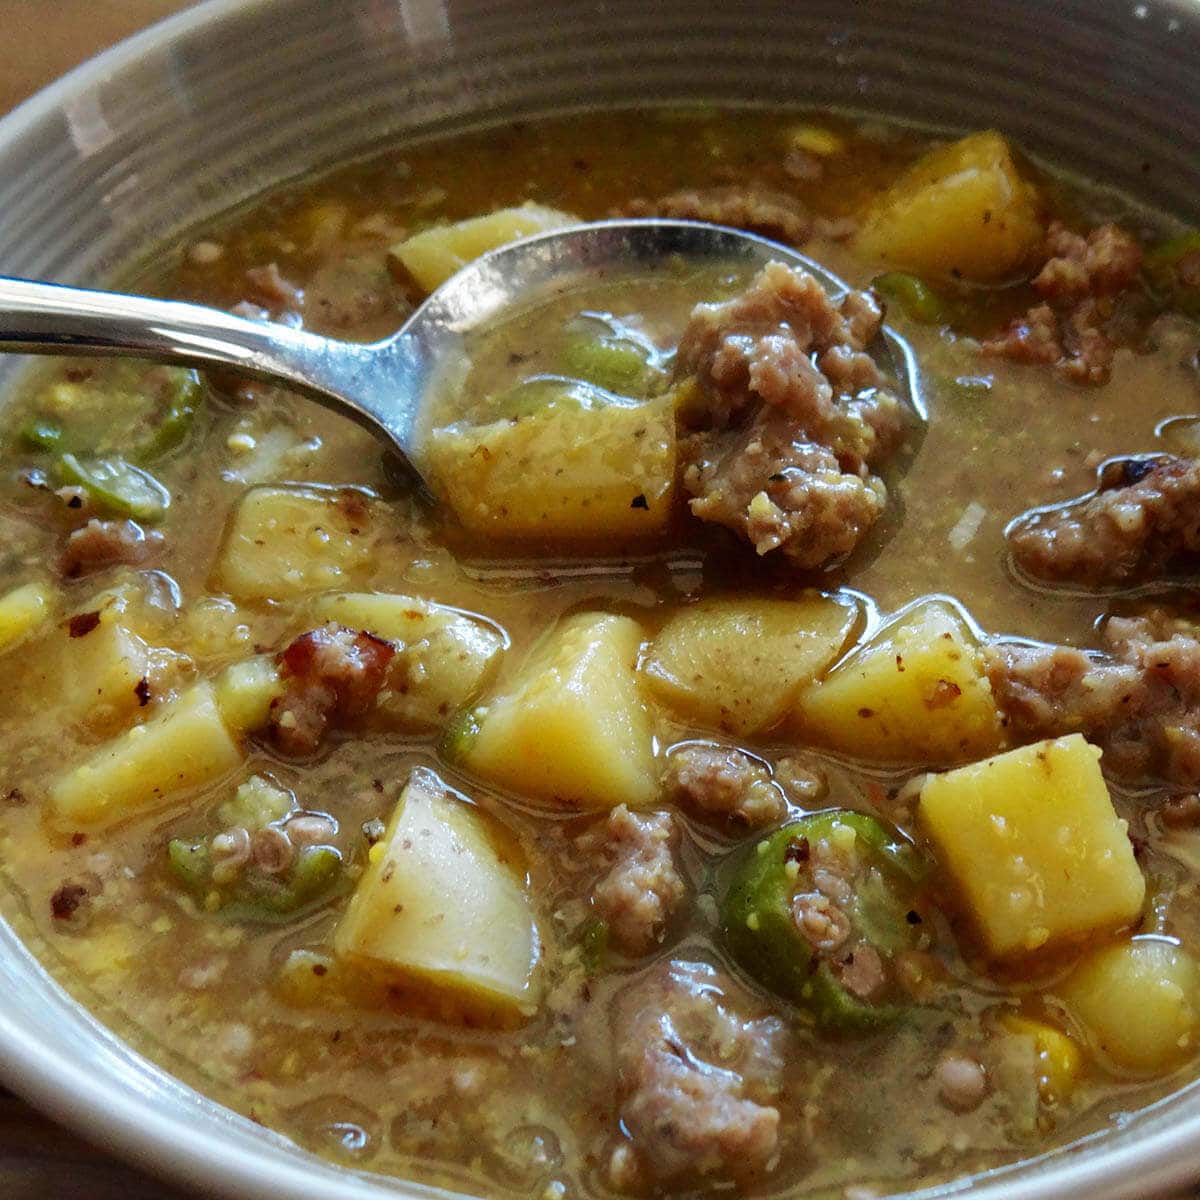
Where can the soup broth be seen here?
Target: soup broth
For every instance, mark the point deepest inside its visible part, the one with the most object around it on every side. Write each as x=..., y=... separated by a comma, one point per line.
x=705, y=792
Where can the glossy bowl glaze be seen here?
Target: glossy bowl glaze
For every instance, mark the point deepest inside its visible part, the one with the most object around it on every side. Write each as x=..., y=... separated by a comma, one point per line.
x=205, y=110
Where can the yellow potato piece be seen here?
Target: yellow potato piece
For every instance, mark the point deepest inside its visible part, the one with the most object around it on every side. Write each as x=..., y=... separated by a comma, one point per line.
x=960, y=211
x=917, y=692
x=1058, y=1058
x=737, y=664
x=183, y=746
x=285, y=542
x=244, y=693
x=1034, y=847
x=23, y=610
x=444, y=901
x=1138, y=1002
x=95, y=668
x=571, y=728
x=585, y=474
x=433, y=255
x=444, y=657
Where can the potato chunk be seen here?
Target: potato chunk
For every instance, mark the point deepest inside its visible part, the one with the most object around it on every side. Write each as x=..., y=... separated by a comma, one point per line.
x=184, y=745
x=443, y=659
x=285, y=542
x=1138, y=1001
x=444, y=902
x=244, y=693
x=101, y=671
x=571, y=728
x=1034, y=847
x=95, y=668
x=433, y=255
x=961, y=210
x=23, y=611
x=916, y=692
x=583, y=473
x=1058, y=1060
x=737, y=664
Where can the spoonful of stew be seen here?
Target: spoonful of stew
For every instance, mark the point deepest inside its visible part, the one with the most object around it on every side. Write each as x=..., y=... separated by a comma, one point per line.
x=770, y=404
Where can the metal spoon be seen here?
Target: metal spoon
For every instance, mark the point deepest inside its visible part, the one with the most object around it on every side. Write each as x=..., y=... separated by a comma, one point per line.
x=385, y=385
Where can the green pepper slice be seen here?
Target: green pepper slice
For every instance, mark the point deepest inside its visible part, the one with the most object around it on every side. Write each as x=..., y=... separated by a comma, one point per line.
x=599, y=349
x=262, y=898
x=537, y=393
x=40, y=433
x=875, y=877
x=118, y=486
x=1162, y=265
x=914, y=296
x=181, y=397
x=125, y=407
x=191, y=863
x=312, y=879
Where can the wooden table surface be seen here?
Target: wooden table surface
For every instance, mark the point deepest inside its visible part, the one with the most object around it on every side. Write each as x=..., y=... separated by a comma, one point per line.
x=39, y=40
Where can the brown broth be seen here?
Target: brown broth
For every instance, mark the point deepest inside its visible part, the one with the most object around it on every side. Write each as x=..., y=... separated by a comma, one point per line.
x=519, y=1112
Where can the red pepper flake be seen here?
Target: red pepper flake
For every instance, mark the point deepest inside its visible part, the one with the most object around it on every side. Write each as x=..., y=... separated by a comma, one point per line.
x=66, y=901
x=866, y=712
x=77, y=839
x=320, y=969
x=797, y=851
x=141, y=690
x=946, y=691
x=82, y=624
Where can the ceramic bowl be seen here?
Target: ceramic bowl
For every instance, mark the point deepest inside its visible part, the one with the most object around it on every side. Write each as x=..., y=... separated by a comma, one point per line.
x=214, y=105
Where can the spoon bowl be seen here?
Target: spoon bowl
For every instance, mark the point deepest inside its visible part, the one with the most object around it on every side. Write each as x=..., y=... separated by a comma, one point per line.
x=386, y=385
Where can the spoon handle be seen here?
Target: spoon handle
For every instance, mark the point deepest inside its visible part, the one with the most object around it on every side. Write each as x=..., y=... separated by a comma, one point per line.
x=48, y=318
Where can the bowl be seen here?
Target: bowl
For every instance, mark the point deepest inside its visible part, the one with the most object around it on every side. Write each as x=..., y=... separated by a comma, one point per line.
x=210, y=107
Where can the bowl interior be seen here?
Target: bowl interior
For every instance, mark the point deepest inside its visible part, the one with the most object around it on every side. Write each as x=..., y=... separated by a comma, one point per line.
x=212, y=106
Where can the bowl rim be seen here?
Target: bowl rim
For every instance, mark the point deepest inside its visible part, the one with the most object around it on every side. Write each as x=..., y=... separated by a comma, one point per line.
x=166, y=1142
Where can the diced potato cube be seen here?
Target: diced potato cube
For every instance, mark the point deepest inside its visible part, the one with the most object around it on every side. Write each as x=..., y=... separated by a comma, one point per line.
x=1057, y=1057
x=738, y=664
x=433, y=255
x=961, y=210
x=94, y=669
x=1138, y=1002
x=1034, y=847
x=917, y=692
x=586, y=473
x=244, y=692
x=184, y=745
x=102, y=670
x=571, y=728
x=285, y=542
x=444, y=902
x=444, y=657
x=23, y=611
